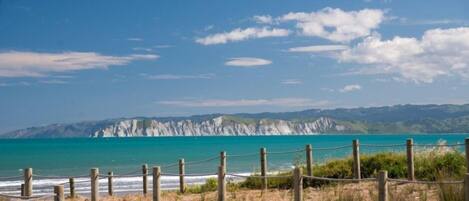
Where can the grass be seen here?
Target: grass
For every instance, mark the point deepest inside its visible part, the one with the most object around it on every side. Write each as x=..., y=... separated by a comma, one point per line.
x=435, y=165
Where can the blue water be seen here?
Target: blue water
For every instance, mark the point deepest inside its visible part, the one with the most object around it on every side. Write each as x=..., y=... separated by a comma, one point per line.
x=121, y=155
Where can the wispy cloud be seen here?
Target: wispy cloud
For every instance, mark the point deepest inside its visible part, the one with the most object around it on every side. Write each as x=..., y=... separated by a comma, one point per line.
x=350, y=88
x=242, y=34
x=247, y=62
x=162, y=46
x=12, y=84
x=53, y=81
x=318, y=48
x=177, y=77
x=37, y=64
x=291, y=82
x=145, y=49
x=413, y=22
x=263, y=19
x=280, y=102
x=135, y=39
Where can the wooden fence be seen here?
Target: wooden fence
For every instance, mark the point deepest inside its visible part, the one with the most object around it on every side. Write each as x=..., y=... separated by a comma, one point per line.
x=297, y=176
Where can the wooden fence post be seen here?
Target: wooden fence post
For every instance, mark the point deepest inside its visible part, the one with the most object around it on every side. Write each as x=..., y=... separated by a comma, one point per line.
x=28, y=182
x=94, y=176
x=110, y=190
x=22, y=189
x=182, y=184
x=383, y=186
x=145, y=179
x=156, y=183
x=59, y=193
x=309, y=160
x=410, y=159
x=223, y=159
x=356, y=159
x=71, y=182
x=466, y=141
x=298, y=184
x=263, y=155
x=466, y=187
x=221, y=183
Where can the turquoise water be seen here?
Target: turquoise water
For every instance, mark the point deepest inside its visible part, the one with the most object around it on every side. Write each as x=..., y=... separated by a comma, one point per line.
x=69, y=157
x=77, y=156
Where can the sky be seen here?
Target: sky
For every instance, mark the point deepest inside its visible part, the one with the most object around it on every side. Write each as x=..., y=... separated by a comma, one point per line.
x=65, y=61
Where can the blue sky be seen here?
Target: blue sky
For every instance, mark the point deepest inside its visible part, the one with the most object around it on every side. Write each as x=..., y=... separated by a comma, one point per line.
x=66, y=61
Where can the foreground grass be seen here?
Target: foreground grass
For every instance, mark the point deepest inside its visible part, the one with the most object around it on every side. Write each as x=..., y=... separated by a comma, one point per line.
x=434, y=165
x=437, y=164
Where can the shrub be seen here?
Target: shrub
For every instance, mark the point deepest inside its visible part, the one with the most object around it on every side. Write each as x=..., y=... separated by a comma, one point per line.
x=432, y=165
x=209, y=185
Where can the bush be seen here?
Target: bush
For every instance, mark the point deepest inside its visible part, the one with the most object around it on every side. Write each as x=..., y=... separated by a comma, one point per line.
x=256, y=183
x=430, y=165
x=210, y=185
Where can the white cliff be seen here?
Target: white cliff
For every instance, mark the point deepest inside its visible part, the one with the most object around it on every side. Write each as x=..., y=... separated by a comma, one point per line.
x=219, y=126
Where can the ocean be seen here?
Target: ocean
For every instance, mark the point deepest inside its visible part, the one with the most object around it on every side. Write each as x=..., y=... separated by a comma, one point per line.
x=54, y=160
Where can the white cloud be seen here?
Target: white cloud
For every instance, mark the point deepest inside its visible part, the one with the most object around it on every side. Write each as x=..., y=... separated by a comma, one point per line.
x=242, y=34
x=53, y=81
x=282, y=102
x=291, y=82
x=35, y=64
x=247, y=62
x=350, y=88
x=22, y=83
x=162, y=46
x=263, y=19
x=177, y=77
x=439, y=52
x=209, y=27
x=145, y=49
x=135, y=39
x=335, y=24
x=318, y=48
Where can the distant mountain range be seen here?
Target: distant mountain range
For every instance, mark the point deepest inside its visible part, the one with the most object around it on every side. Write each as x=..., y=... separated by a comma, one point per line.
x=389, y=119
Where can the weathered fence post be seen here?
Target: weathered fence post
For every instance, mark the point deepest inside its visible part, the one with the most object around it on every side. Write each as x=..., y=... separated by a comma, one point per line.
x=467, y=154
x=309, y=160
x=383, y=186
x=263, y=154
x=22, y=189
x=221, y=183
x=182, y=184
x=110, y=176
x=59, y=193
x=356, y=159
x=28, y=182
x=410, y=159
x=466, y=187
x=156, y=183
x=223, y=159
x=145, y=179
x=94, y=176
x=298, y=184
x=71, y=182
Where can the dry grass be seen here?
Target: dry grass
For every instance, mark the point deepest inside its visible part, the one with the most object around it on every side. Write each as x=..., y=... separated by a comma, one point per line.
x=365, y=191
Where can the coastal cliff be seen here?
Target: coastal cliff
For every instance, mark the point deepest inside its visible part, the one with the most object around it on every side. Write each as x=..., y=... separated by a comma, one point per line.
x=219, y=126
x=387, y=119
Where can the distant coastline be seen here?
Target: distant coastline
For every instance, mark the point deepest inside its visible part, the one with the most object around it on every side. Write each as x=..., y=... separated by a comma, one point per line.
x=415, y=119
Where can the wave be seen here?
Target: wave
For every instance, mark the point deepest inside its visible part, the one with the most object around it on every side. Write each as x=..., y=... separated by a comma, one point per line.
x=120, y=185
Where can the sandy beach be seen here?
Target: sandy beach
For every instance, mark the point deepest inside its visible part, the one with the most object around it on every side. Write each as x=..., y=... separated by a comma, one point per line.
x=365, y=191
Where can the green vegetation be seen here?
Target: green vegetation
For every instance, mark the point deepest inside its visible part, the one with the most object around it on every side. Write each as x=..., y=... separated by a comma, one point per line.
x=210, y=185
x=432, y=165
x=437, y=164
